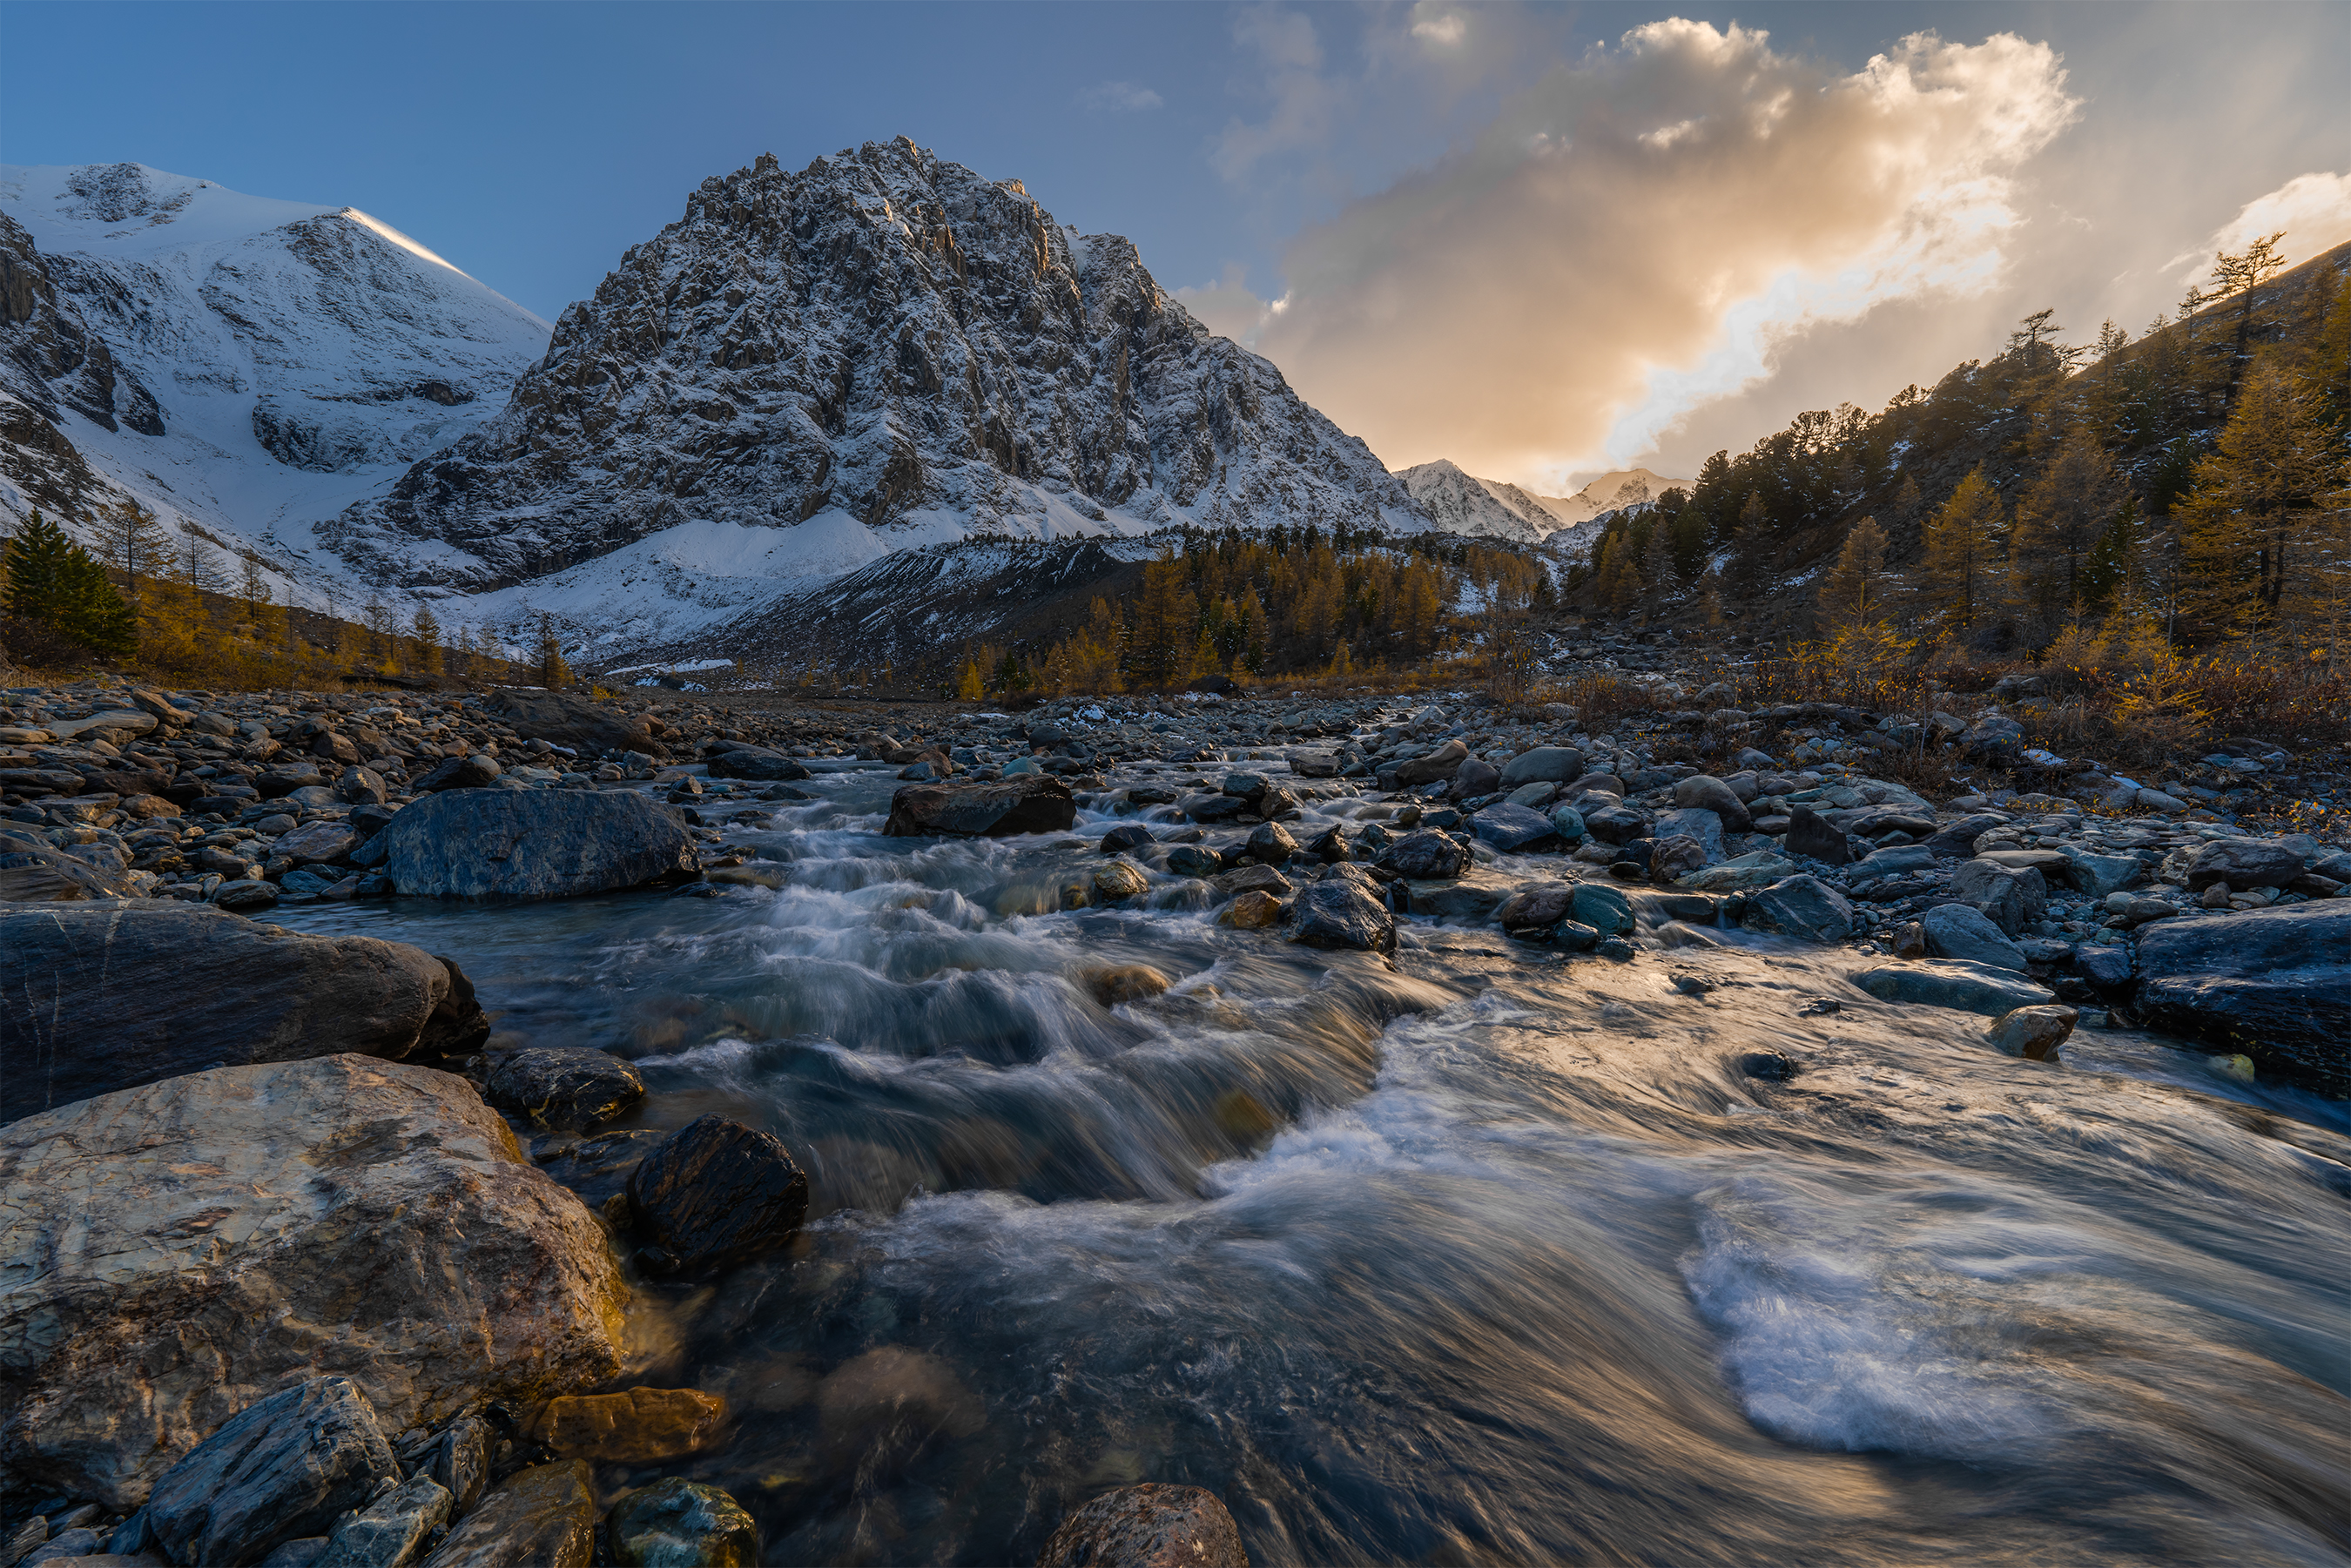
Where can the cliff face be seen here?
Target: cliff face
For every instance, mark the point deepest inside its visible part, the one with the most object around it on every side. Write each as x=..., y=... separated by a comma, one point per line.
x=889, y=343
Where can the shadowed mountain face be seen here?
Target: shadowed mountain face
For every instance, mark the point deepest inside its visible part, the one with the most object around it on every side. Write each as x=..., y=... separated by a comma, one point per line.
x=885, y=341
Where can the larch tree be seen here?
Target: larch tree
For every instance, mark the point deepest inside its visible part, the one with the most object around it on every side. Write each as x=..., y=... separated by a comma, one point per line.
x=2247, y=527
x=1960, y=574
x=1854, y=593
x=2059, y=526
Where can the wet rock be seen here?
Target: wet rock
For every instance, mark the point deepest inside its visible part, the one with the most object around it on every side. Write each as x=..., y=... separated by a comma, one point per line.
x=33, y=871
x=2101, y=875
x=1338, y=914
x=1958, y=931
x=1124, y=983
x=1026, y=803
x=95, y=998
x=475, y=772
x=1568, y=822
x=1603, y=908
x=2243, y=864
x=1615, y=825
x=2275, y=984
x=1194, y=860
x=318, y=843
x=1543, y=764
x=1760, y=869
x=175, y=1251
x=1952, y=983
x=1768, y=1066
x=1251, y=912
x=1474, y=898
x=575, y=722
x=1574, y=936
x=1117, y=881
x=391, y=1532
x=459, y=1461
x=2010, y=897
x=245, y=897
x=736, y=759
x=1474, y=777
x=598, y=1167
x=1694, y=823
x=1147, y=1526
x=716, y=1192
x=1442, y=763
x=1514, y=829
x=1533, y=911
x=543, y=1517
x=1124, y=836
x=1804, y=907
x=534, y=844
x=640, y=1427
x=1217, y=808
x=361, y=787
x=2034, y=1032
x=1424, y=856
x=1707, y=793
x=1675, y=856
x=564, y=1087
x=283, y=1467
x=679, y=1523
x=1811, y=835
x=1272, y=843
x=1254, y=879
x=2107, y=967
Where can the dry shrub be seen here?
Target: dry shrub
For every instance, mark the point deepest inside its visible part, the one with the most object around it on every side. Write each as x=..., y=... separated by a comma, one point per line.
x=1600, y=700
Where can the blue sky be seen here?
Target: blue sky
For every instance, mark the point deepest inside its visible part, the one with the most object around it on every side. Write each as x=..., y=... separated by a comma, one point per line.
x=531, y=144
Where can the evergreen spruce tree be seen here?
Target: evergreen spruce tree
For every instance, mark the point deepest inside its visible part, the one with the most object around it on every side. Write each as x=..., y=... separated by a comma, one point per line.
x=1689, y=539
x=1960, y=572
x=1750, y=547
x=53, y=581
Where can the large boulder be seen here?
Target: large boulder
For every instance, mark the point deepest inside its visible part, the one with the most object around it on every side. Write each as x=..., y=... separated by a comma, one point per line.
x=33, y=871
x=1338, y=914
x=716, y=1192
x=575, y=722
x=2010, y=897
x=283, y=1468
x=1021, y=803
x=170, y=1254
x=2243, y=864
x=96, y=998
x=1811, y=835
x=563, y=1088
x=1804, y=907
x=1705, y=792
x=1958, y=839
x=534, y=843
x=2273, y=984
x=544, y=1517
x=1956, y=984
x=1148, y=1526
x=1544, y=765
x=737, y=760
x=1442, y=763
x=1959, y=931
x=1425, y=855
x=1514, y=829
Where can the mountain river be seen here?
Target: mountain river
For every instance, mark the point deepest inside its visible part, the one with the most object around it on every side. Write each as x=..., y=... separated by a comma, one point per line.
x=1488, y=1255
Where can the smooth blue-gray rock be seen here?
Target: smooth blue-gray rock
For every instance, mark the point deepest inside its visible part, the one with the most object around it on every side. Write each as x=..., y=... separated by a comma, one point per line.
x=2273, y=984
x=2105, y=964
x=1513, y=829
x=1147, y=1526
x=1804, y=907
x=679, y=1523
x=1960, y=931
x=543, y=1517
x=1955, y=984
x=1217, y=808
x=318, y=843
x=96, y=997
x=1338, y=914
x=1021, y=803
x=2099, y=876
x=560, y=719
x=1813, y=836
x=2243, y=864
x=1473, y=897
x=759, y=763
x=1193, y=860
x=1441, y=763
x=595, y=1168
x=1894, y=862
x=1703, y=791
x=1699, y=822
x=1617, y=824
x=1125, y=836
x=1474, y=777
x=1543, y=764
x=563, y=1088
x=283, y=1467
x=1533, y=911
x=475, y=772
x=535, y=844
x=1424, y=855
x=391, y=1532
x=1568, y=822
x=2010, y=897
x=716, y=1192
x=1603, y=908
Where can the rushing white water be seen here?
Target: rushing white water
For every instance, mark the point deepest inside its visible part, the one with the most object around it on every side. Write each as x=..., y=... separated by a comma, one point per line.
x=1487, y=1255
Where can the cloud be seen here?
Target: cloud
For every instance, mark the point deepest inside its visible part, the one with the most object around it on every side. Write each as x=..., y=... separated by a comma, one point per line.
x=1226, y=307
x=1119, y=96
x=1284, y=45
x=1636, y=234
x=1437, y=25
x=2315, y=211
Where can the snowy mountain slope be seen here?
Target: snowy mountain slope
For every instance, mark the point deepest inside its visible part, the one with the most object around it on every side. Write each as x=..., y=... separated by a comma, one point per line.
x=271, y=361
x=1460, y=503
x=881, y=350
x=1609, y=492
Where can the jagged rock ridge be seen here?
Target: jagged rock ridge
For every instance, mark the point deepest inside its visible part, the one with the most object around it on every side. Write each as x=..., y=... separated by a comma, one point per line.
x=890, y=344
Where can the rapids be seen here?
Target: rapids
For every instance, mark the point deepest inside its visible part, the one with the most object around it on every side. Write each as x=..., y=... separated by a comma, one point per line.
x=1493, y=1255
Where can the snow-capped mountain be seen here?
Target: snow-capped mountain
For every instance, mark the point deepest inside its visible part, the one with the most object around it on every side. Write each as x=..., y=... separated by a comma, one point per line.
x=811, y=369
x=1609, y=493
x=251, y=365
x=1460, y=503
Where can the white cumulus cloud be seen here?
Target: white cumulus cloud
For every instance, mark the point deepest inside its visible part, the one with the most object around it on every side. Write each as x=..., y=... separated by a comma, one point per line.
x=1125, y=97
x=1636, y=234
x=1439, y=25
x=2315, y=211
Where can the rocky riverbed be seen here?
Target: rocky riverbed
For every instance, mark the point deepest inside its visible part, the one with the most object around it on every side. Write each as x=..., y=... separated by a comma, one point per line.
x=755, y=1129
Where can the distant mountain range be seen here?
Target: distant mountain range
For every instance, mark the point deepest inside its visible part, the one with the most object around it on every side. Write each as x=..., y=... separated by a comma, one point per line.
x=808, y=372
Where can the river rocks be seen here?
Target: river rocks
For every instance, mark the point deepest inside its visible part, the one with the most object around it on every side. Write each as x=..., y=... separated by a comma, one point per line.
x=1568, y=822
x=1251, y=912
x=640, y=1427
x=679, y=1523
x=1424, y=856
x=1707, y=793
x=2243, y=864
x=534, y=844
x=1474, y=778
x=1124, y=836
x=1543, y=764
x=284, y=1467
x=1532, y=912
x=172, y=1254
x=1812, y=836
x=598, y=1168
x=563, y=1088
x=1615, y=825
x=1804, y=907
x=317, y=844
x=2274, y=983
x=1955, y=984
x=1958, y=931
x=881, y=1410
x=361, y=787
x=1118, y=881
x=1441, y=763
x=95, y=998
x=391, y=1532
x=1271, y=844
x=736, y=759
x=1338, y=914
x=1193, y=860
x=1604, y=909
x=2033, y=1033
x=1147, y=1526
x=543, y=1517
x=575, y=722
x=2010, y=897
x=474, y=773
x=1514, y=829
x=2102, y=875
x=33, y=872
x=1217, y=808
x=1124, y=983
x=1026, y=803
x=1759, y=869
x=717, y=1193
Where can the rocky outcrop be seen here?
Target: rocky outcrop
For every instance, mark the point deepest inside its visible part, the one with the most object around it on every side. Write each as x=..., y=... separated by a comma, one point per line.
x=2273, y=984
x=560, y=719
x=170, y=1254
x=281, y=1468
x=1148, y=1526
x=100, y=996
x=534, y=844
x=1024, y=803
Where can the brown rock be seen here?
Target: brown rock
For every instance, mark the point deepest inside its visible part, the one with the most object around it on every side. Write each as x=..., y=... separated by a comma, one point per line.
x=544, y=1517
x=1124, y=983
x=640, y=1427
x=1251, y=912
x=1148, y=1526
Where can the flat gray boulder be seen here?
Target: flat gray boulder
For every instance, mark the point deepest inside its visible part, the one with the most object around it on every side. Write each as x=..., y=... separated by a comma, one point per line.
x=739, y=760
x=1955, y=984
x=1019, y=803
x=534, y=843
x=2275, y=984
x=1804, y=907
x=2243, y=864
x=1543, y=764
x=1960, y=931
x=575, y=722
x=100, y=996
